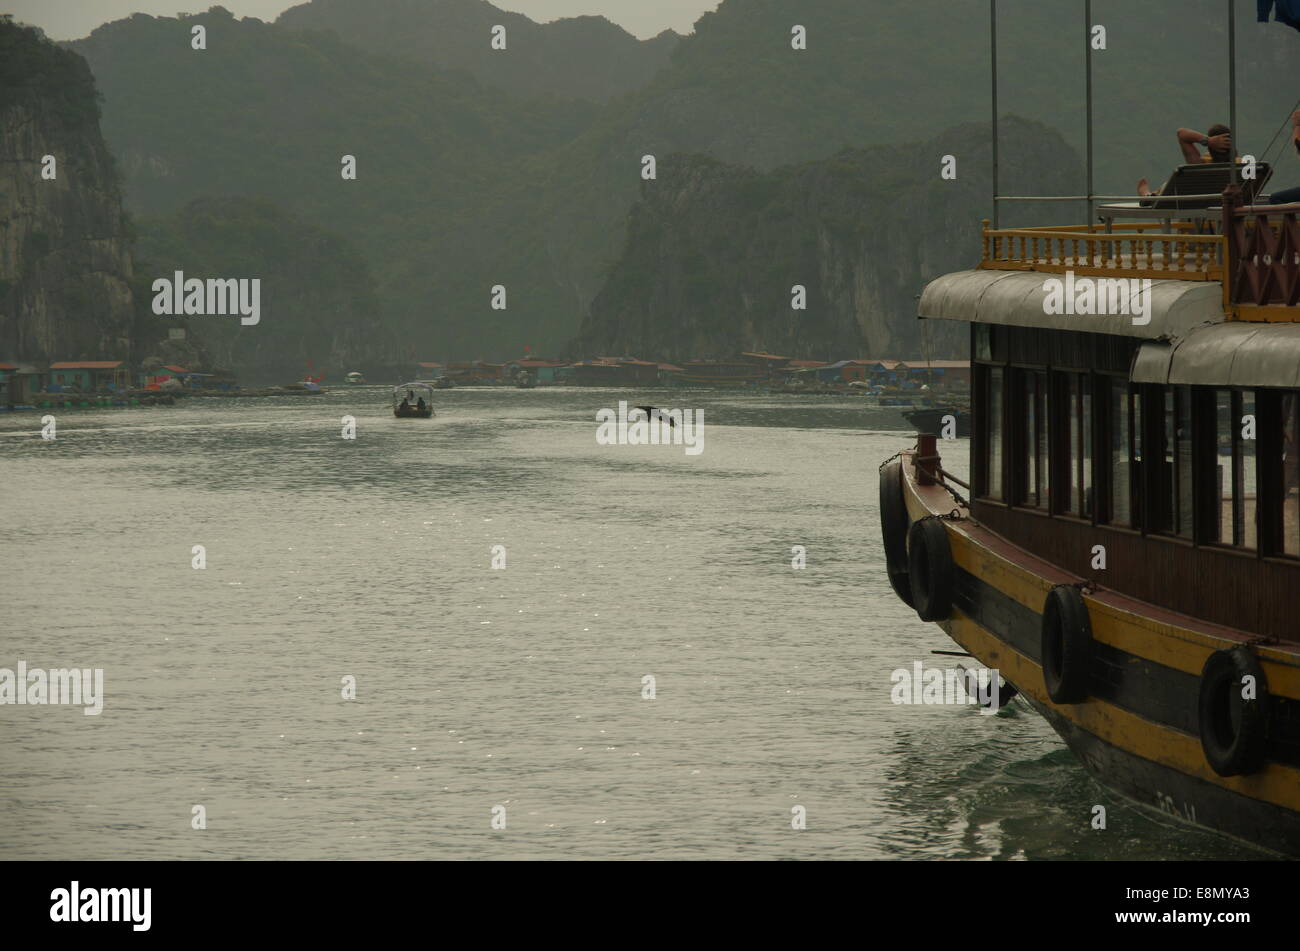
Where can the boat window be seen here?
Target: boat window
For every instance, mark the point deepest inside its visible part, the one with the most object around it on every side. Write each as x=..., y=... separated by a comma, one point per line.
x=1078, y=434
x=1085, y=445
x=1122, y=452
x=1042, y=441
x=1290, y=474
x=1175, y=513
x=1032, y=447
x=994, y=403
x=1234, y=466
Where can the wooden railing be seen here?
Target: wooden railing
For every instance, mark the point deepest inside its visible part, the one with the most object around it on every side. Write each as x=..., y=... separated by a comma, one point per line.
x=1141, y=250
x=1256, y=256
x=1264, y=258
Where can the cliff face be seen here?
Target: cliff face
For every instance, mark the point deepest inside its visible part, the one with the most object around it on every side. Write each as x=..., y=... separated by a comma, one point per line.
x=713, y=250
x=317, y=296
x=65, y=265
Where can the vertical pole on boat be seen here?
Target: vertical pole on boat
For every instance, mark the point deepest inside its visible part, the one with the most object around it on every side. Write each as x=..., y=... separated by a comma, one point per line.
x=1087, y=52
x=993, y=60
x=1232, y=85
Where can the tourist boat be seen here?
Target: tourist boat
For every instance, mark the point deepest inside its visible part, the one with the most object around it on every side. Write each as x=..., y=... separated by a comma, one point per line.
x=1127, y=552
x=356, y=378
x=413, y=401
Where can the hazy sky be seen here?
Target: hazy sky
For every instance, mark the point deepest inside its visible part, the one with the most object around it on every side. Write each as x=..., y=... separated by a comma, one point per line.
x=73, y=19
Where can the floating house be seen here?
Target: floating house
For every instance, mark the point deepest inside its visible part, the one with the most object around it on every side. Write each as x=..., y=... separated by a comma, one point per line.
x=670, y=374
x=723, y=373
x=18, y=382
x=473, y=373
x=937, y=373
x=773, y=366
x=155, y=377
x=429, y=371
x=541, y=372
x=87, y=376
x=615, y=371
x=845, y=371
x=885, y=372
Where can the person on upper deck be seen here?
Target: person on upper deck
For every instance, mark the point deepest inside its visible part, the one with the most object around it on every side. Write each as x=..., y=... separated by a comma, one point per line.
x=1288, y=195
x=1218, y=148
x=1217, y=143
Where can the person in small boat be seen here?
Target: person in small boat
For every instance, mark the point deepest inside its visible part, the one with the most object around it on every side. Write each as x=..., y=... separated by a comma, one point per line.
x=1217, y=144
x=420, y=405
x=405, y=406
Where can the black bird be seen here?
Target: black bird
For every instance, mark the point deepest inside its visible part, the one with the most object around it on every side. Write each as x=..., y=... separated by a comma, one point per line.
x=651, y=413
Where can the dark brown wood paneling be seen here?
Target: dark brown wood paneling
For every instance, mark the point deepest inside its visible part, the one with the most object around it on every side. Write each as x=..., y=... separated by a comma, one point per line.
x=1220, y=585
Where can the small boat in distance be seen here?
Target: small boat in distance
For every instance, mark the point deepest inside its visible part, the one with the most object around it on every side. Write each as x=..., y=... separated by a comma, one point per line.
x=303, y=388
x=355, y=377
x=443, y=383
x=413, y=401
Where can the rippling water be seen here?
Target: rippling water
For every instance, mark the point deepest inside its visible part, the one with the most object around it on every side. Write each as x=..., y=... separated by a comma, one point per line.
x=478, y=687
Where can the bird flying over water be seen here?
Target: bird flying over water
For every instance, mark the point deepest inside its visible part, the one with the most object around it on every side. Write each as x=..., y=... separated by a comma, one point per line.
x=652, y=413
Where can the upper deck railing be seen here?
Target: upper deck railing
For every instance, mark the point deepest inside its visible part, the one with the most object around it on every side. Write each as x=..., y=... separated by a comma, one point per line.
x=1254, y=250
x=1264, y=258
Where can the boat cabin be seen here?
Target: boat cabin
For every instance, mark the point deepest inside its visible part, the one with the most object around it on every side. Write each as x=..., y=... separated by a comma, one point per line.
x=1149, y=404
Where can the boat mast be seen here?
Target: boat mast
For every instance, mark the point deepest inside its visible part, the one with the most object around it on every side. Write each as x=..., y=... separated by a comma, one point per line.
x=993, y=60
x=1087, y=52
x=1232, y=84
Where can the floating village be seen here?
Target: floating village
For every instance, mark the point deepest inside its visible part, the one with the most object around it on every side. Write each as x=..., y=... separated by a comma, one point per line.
x=100, y=383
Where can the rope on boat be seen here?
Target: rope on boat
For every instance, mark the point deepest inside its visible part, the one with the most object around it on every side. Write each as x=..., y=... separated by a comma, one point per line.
x=897, y=455
x=1279, y=131
x=954, y=515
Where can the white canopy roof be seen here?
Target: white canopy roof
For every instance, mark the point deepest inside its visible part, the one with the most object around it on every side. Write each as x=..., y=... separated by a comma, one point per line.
x=1015, y=298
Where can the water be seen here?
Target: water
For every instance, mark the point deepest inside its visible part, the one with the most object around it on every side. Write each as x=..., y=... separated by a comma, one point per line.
x=478, y=687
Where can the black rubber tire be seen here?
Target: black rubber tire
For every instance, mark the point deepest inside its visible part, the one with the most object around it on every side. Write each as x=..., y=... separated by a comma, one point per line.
x=930, y=569
x=893, y=530
x=1234, y=731
x=1066, y=645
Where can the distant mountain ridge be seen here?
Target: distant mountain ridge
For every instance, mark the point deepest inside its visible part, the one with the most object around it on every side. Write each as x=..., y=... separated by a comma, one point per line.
x=463, y=186
x=585, y=57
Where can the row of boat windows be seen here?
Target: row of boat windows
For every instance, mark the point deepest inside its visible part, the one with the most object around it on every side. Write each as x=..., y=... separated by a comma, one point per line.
x=1078, y=444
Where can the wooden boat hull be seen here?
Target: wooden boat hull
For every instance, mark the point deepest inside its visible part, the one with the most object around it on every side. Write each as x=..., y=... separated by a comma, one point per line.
x=412, y=413
x=1137, y=731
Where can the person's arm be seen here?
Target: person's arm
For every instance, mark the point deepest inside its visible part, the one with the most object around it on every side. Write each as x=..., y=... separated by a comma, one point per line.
x=1189, y=139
